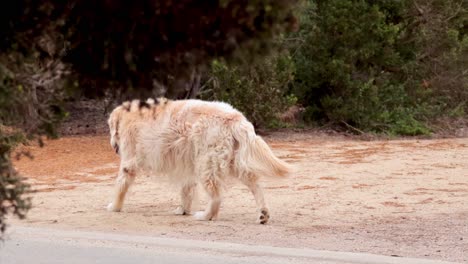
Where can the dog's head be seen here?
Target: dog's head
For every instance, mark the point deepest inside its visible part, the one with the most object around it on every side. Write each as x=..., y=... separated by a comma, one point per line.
x=135, y=106
x=113, y=122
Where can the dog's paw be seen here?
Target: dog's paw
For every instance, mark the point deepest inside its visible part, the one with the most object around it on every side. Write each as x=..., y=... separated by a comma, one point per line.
x=201, y=216
x=112, y=208
x=180, y=211
x=263, y=217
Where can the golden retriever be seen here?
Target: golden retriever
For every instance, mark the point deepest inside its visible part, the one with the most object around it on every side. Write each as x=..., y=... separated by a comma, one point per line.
x=193, y=142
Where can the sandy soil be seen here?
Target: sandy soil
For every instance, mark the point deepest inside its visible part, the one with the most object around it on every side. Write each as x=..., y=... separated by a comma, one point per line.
x=402, y=198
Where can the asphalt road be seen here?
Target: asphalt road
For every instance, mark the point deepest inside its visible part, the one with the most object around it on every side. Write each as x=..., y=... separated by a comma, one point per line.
x=38, y=245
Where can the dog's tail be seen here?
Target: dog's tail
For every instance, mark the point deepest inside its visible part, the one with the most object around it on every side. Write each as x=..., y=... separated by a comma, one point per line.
x=254, y=155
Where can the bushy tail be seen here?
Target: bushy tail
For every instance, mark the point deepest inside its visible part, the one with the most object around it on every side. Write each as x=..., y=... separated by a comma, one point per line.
x=254, y=155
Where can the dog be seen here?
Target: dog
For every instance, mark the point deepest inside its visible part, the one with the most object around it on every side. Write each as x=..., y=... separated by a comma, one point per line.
x=192, y=142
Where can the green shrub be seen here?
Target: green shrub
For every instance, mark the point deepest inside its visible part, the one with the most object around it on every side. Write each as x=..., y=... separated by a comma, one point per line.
x=438, y=34
x=383, y=66
x=259, y=91
x=13, y=190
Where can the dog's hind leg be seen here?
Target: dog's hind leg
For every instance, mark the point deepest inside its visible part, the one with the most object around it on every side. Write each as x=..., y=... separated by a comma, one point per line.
x=125, y=178
x=186, y=197
x=251, y=181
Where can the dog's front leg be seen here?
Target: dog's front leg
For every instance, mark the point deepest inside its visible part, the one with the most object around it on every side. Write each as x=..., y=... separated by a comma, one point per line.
x=212, y=187
x=186, y=196
x=125, y=178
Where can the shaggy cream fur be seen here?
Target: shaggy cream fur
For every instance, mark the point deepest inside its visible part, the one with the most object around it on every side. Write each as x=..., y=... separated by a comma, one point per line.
x=192, y=142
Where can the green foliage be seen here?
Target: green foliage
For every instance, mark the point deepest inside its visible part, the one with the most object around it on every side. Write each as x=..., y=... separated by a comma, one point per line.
x=291, y=99
x=258, y=91
x=345, y=68
x=384, y=66
x=12, y=187
x=438, y=34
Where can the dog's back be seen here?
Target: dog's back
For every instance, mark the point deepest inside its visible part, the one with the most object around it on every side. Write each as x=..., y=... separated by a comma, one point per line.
x=222, y=124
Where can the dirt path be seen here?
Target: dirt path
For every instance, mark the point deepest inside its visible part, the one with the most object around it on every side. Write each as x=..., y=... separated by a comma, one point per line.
x=404, y=198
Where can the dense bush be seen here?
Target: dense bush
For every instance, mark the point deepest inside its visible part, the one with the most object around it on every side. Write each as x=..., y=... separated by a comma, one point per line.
x=438, y=31
x=346, y=66
x=259, y=90
x=385, y=66
x=374, y=66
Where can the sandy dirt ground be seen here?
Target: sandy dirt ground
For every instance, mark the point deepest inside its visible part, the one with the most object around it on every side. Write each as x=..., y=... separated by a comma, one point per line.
x=401, y=198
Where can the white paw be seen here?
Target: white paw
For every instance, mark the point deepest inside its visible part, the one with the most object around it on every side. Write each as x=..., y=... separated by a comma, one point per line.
x=200, y=216
x=179, y=211
x=111, y=208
